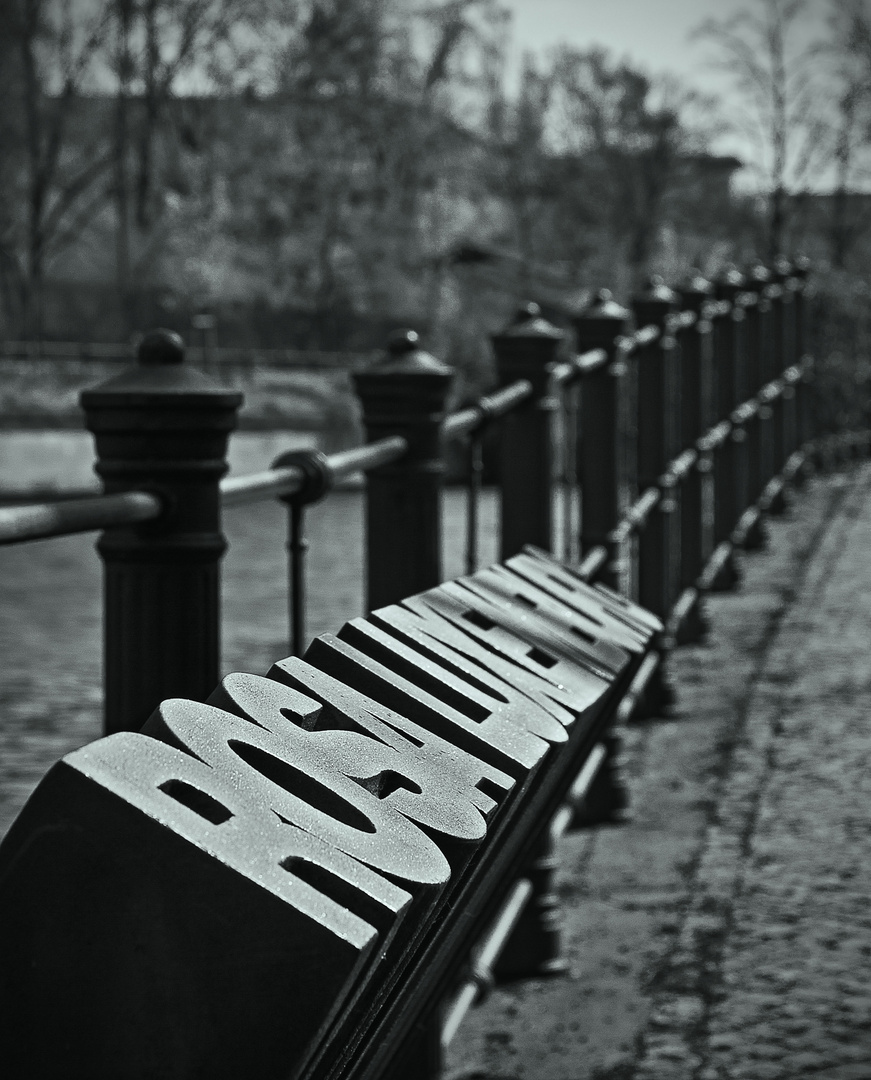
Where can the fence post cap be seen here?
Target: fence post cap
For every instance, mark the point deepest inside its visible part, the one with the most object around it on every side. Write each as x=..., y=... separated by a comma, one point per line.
x=528, y=322
x=655, y=302
x=160, y=347
x=801, y=266
x=781, y=269
x=526, y=348
x=404, y=356
x=601, y=323
x=695, y=290
x=604, y=306
x=160, y=372
x=730, y=282
x=696, y=282
x=655, y=289
x=758, y=275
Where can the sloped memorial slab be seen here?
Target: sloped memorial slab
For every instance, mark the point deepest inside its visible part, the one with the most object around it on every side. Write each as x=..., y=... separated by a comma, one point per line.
x=279, y=880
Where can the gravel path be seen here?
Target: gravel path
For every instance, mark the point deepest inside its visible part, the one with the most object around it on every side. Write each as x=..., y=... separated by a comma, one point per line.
x=725, y=932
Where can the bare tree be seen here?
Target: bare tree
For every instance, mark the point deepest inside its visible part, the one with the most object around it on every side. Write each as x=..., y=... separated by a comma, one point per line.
x=783, y=113
x=849, y=55
x=623, y=136
x=59, y=175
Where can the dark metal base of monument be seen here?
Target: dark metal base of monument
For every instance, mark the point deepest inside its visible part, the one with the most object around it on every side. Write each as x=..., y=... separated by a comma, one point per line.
x=423, y=1056
x=607, y=799
x=776, y=500
x=723, y=572
x=534, y=950
x=755, y=536
x=689, y=623
x=658, y=699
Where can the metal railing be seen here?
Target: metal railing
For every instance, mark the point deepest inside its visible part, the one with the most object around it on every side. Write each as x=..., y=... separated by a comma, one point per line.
x=679, y=438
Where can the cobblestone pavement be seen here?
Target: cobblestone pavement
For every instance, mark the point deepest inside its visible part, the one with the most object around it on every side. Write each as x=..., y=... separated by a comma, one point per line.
x=725, y=932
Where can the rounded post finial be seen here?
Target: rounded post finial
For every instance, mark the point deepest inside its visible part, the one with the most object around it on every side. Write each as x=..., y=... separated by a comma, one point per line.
x=782, y=268
x=160, y=348
x=403, y=341
x=404, y=353
x=526, y=312
x=801, y=265
x=731, y=275
x=604, y=306
x=656, y=291
x=758, y=274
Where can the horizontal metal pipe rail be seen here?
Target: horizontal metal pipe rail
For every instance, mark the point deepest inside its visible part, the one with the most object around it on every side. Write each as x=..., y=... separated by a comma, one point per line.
x=286, y=481
x=570, y=371
x=39, y=521
x=36, y=521
x=487, y=408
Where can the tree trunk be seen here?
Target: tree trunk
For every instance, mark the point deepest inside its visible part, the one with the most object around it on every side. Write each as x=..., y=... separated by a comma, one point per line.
x=777, y=223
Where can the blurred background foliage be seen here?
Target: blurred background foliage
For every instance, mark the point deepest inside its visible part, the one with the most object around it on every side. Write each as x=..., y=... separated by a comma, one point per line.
x=307, y=174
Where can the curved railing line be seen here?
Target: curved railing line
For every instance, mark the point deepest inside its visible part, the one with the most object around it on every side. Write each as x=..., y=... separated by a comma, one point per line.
x=772, y=390
x=630, y=344
x=592, y=563
x=746, y=300
x=345, y=463
x=744, y=412
x=289, y=479
x=486, y=408
x=718, y=309
x=679, y=467
x=636, y=516
x=683, y=320
x=38, y=521
x=715, y=436
x=569, y=371
x=239, y=490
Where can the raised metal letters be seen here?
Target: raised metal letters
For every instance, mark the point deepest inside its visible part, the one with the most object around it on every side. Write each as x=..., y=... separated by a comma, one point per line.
x=156, y=921
x=253, y=872
x=516, y=750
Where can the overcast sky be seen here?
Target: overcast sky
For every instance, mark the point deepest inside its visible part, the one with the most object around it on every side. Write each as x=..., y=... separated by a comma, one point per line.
x=654, y=34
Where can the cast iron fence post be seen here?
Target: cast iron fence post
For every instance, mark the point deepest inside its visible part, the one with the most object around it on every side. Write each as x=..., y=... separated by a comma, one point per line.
x=781, y=324
x=658, y=426
x=601, y=464
x=792, y=418
x=731, y=495
x=658, y=433
x=163, y=427
x=405, y=394
x=601, y=470
x=733, y=377
x=757, y=430
x=696, y=391
x=805, y=416
x=526, y=350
